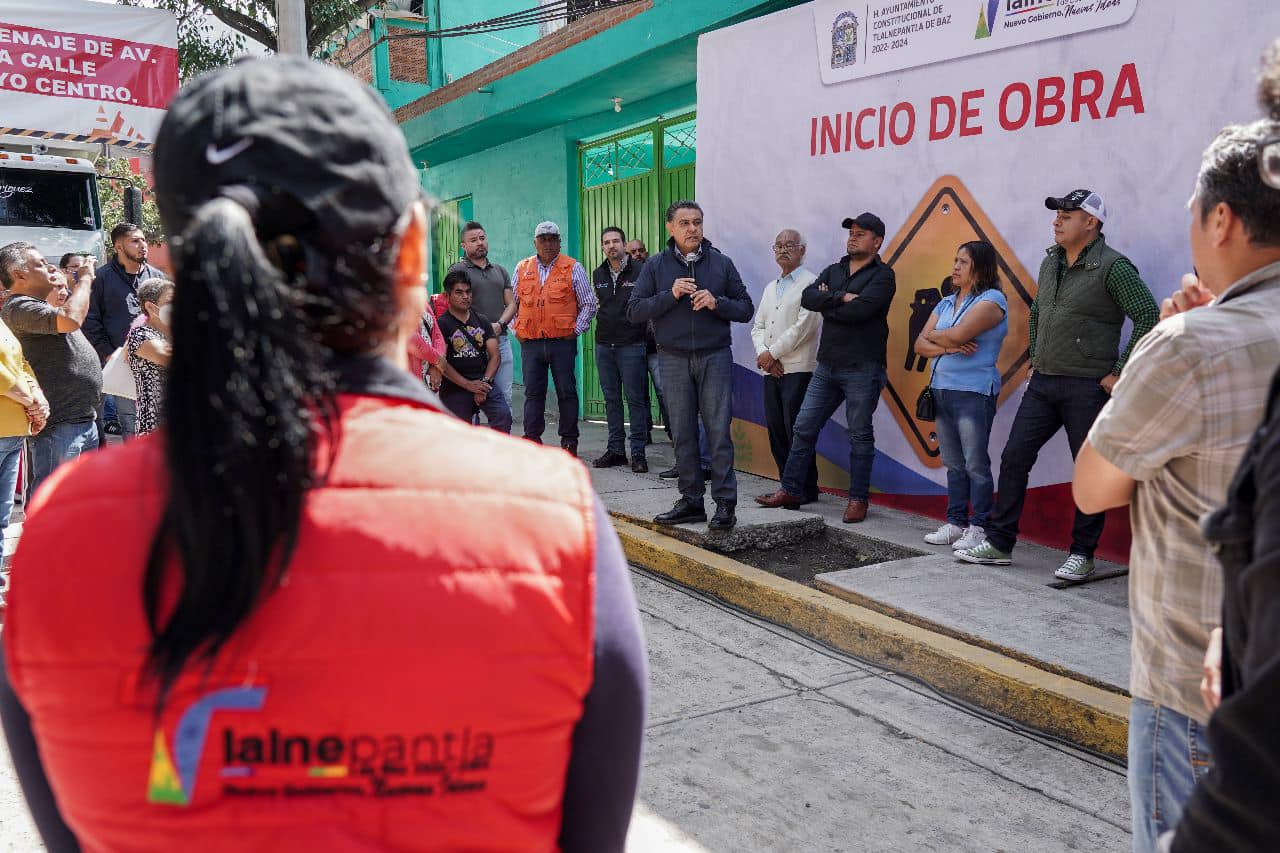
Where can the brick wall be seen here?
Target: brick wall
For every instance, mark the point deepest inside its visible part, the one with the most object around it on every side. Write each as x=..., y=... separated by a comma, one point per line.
x=562, y=39
x=362, y=67
x=408, y=55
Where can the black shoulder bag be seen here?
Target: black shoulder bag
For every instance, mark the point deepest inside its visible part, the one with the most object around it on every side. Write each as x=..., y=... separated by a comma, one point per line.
x=925, y=402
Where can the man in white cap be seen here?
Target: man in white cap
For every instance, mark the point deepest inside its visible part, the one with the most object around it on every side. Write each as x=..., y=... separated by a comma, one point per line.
x=554, y=303
x=1085, y=291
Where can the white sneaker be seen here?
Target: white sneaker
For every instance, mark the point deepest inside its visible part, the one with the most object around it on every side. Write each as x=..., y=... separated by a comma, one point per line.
x=944, y=535
x=972, y=538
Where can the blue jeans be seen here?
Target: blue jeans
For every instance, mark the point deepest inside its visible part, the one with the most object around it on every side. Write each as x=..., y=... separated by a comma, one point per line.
x=10, y=456
x=656, y=375
x=1168, y=754
x=624, y=370
x=58, y=444
x=964, y=430
x=496, y=409
x=701, y=384
x=506, y=375
x=858, y=387
x=558, y=355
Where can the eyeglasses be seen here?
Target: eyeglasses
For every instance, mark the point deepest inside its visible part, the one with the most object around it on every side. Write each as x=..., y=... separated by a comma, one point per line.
x=1269, y=162
x=778, y=247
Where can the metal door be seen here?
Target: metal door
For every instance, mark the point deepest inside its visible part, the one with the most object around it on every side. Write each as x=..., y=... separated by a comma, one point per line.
x=628, y=180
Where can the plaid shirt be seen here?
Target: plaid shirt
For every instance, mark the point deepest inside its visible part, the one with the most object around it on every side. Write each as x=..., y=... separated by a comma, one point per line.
x=1126, y=287
x=1178, y=423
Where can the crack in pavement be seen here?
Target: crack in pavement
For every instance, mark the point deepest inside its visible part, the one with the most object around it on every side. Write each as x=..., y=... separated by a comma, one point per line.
x=784, y=680
x=747, y=703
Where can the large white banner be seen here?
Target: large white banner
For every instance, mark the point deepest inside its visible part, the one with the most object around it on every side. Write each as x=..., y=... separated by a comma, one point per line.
x=80, y=70
x=959, y=147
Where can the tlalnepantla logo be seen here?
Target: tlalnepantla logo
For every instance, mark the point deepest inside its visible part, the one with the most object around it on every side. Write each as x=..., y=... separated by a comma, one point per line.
x=265, y=761
x=987, y=19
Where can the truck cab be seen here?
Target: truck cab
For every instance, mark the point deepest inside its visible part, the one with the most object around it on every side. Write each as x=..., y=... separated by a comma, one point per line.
x=49, y=196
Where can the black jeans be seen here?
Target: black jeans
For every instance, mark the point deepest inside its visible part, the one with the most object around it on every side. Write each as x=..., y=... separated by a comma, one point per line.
x=782, y=399
x=1050, y=404
x=558, y=355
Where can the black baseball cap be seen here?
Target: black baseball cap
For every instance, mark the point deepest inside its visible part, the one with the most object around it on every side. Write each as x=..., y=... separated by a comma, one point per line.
x=1087, y=200
x=307, y=148
x=865, y=221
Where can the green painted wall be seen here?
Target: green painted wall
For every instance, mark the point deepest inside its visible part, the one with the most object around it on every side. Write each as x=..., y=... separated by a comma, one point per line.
x=465, y=54
x=634, y=60
x=513, y=187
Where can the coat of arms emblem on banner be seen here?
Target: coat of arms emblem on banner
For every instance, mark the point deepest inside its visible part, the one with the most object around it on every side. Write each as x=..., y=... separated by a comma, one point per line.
x=844, y=40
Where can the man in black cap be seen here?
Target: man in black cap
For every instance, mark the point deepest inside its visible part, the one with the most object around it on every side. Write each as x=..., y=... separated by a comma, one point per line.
x=1085, y=291
x=853, y=295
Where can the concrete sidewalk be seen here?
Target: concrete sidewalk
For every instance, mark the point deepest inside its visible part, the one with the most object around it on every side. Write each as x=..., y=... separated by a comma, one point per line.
x=1021, y=612
x=1081, y=631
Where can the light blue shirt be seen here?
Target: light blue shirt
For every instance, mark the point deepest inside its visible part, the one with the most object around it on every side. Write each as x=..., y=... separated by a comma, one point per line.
x=977, y=372
x=786, y=281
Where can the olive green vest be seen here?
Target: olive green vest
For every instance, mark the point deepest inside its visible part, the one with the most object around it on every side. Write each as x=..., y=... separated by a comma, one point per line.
x=1079, y=325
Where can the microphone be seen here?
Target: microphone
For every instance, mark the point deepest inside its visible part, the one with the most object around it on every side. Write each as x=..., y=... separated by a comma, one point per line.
x=691, y=258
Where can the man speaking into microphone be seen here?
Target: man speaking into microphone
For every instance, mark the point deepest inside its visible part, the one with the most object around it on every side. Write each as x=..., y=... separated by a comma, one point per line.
x=691, y=292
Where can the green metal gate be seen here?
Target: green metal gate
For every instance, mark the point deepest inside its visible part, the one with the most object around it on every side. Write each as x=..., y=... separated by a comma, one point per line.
x=628, y=180
x=446, y=237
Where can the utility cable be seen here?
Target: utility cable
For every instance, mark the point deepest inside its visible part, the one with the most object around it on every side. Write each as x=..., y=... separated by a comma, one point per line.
x=536, y=15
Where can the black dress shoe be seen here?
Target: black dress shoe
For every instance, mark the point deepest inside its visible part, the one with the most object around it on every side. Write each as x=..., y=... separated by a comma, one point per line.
x=570, y=447
x=684, y=512
x=610, y=459
x=670, y=474
x=639, y=465
x=724, y=518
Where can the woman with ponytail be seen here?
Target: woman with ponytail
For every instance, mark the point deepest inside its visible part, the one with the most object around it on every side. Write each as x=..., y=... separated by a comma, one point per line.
x=271, y=652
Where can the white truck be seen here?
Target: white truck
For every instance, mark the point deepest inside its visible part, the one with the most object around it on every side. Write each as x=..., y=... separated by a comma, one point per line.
x=49, y=196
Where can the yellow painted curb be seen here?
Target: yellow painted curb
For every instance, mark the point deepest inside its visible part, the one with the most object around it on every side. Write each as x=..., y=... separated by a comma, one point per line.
x=1073, y=710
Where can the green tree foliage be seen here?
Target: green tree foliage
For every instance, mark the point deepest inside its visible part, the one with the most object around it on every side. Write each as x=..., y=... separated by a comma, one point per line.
x=202, y=45
x=111, y=194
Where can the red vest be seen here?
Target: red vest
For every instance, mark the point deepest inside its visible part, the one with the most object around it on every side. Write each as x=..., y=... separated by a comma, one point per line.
x=413, y=682
x=547, y=310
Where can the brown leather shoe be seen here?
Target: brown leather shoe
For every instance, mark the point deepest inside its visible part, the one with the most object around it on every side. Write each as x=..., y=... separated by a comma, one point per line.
x=779, y=499
x=856, y=511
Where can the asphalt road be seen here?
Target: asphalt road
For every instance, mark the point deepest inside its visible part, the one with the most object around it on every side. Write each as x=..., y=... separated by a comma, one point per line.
x=759, y=739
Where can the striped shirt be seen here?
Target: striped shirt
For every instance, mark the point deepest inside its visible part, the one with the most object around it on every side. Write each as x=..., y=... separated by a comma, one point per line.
x=1178, y=423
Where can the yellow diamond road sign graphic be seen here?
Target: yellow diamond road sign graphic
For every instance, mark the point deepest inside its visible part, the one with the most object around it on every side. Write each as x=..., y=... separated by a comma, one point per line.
x=921, y=255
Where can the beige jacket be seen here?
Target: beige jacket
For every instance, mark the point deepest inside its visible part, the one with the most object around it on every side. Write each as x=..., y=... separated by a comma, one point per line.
x=785, y=329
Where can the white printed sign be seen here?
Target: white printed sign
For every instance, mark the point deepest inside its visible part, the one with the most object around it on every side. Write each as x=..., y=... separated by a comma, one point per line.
x=86, y=70
x=862, y=40
x=954, y=149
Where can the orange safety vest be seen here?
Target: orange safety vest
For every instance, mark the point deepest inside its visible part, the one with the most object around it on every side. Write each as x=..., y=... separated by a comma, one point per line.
x=547, y=310
x=402, y=688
